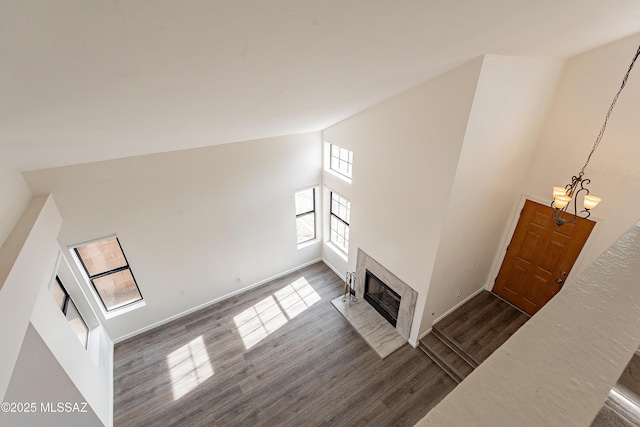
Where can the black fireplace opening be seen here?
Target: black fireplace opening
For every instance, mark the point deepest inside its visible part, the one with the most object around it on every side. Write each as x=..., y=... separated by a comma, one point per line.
x=384, y=299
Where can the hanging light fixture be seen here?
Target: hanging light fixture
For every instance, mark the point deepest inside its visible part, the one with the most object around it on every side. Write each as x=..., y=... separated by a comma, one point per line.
x=567, y=197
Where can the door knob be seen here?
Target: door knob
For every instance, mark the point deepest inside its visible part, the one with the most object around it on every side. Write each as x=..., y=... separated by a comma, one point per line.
x=559, y=281
x=563, y=273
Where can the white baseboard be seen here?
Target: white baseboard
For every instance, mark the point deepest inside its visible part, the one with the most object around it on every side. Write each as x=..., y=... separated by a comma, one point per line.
x=413, y=344
x=215, y=300
x=328, y=264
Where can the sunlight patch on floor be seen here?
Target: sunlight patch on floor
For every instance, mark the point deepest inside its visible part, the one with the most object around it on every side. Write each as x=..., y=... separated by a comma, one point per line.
x=189, y=366
x=263, y=318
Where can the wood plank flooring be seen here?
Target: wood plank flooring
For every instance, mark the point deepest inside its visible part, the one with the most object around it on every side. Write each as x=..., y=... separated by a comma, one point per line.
x=278, y=355
x=481, y=325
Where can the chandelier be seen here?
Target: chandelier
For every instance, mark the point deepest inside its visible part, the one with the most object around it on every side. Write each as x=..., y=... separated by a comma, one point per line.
x=565, y=199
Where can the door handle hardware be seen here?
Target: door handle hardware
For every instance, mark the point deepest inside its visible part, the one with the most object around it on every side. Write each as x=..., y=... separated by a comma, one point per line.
x=559, y=281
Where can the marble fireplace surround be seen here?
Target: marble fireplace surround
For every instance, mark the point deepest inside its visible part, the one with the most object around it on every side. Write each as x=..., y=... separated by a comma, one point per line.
x=408, y=296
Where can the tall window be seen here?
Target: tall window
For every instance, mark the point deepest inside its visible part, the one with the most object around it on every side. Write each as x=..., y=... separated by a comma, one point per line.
x=306, y=215
x=109, y=273
x=341, y=160
x=340, y=213
x=70, y=311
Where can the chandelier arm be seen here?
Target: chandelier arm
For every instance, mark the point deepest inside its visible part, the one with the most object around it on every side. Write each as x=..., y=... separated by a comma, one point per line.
x=583, y=183
x=560, y=214
x=575, y=201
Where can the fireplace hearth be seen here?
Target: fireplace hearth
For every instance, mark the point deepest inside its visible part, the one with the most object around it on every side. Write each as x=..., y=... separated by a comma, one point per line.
x=384, y=299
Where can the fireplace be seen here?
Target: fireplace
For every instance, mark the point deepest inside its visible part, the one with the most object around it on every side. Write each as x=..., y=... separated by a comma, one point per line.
x=408, y=297
x=384, y=299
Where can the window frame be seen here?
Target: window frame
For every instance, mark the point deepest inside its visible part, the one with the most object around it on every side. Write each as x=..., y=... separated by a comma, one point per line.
x=65, y=308
x=64, y=291
x=340, y=160
x=91, y=278
x=312, y=211
x=346, y=223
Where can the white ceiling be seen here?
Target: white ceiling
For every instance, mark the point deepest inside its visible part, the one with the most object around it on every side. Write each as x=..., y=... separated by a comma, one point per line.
x=83, y=81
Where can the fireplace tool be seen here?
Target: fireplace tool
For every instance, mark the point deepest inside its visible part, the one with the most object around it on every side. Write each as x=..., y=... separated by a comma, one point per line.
x=350, y=288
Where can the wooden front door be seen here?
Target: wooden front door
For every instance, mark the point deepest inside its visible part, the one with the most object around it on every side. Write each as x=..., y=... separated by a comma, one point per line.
x=539, y=257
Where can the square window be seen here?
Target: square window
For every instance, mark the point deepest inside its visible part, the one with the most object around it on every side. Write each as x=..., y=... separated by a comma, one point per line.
x=98, y=257
x=109, y=273
x=117, y=289
x=341, y=161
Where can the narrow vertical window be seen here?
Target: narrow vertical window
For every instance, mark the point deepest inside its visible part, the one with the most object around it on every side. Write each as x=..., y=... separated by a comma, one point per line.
x=109, y=273
x=306, y=215
x=341, y=160
x=68, y=308
x=340, y=215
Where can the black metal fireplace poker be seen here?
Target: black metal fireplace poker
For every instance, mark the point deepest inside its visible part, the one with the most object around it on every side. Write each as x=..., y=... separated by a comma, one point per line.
x=350, y=288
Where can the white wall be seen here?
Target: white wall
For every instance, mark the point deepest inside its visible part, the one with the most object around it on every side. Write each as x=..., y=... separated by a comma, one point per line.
x=190, y=222
x=405, y=154
x=15, y=198
x=558, y=368
x=512, y=100
x=39, y=378
x=589, y=82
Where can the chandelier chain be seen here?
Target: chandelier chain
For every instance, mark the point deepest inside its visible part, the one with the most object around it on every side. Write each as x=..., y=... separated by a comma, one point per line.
x=606, y=119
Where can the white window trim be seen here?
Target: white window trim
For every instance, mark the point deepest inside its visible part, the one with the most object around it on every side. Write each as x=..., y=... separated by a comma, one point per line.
x=327, y=163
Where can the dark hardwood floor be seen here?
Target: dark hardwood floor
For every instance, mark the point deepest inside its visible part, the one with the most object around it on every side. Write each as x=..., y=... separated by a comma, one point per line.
x=481, y=325
x=278, y=355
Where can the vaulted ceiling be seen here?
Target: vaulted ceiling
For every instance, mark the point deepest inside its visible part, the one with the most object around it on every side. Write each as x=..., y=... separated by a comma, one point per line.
x=84, y=81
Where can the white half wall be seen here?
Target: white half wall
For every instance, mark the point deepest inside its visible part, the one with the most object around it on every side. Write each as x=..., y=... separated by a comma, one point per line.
x=511, y=103
x=27, y=259
x=195, y=225
x=15, y=198
x=405, y=151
